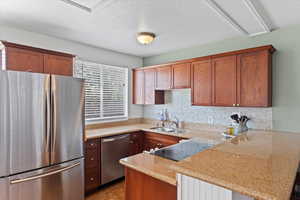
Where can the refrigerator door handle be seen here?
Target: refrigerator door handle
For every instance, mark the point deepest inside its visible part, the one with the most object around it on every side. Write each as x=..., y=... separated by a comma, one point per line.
x=16, y=181
x=53, y=119
x=48, y=114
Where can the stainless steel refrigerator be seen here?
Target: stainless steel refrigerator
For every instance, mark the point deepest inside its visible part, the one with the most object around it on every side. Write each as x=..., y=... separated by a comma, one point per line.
x=41, y=137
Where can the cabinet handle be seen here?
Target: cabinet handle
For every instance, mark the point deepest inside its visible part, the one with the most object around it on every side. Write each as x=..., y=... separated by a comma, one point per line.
x=237, y=104
x=92, y=144
x=92, y=159
x=234, y=105
x=92, y=179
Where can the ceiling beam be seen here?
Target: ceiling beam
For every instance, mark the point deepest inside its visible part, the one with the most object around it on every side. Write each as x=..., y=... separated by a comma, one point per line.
x=73, y=3
x=250, y=5
x=225, y=16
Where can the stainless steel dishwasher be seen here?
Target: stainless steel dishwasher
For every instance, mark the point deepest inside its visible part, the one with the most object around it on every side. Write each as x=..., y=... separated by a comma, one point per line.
x=112, y=150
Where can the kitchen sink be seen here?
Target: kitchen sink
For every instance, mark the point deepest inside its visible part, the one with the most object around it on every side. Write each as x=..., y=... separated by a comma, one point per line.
x=168, y=130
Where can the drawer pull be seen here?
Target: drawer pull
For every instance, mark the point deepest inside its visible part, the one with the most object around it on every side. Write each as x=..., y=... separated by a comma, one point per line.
x=92, y=159
x=92, y=179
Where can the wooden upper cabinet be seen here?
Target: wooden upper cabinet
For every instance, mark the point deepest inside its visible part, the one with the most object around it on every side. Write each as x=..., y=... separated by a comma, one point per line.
x=181, y=75
x=202, y=83
x=31, y=59
x=224, y=81
x=60, y=65
x=240, y=78
x=149, y=90
x=138, y=86
x=254, y=79
x=164, y=78
x=24, y=60
x=150, y=95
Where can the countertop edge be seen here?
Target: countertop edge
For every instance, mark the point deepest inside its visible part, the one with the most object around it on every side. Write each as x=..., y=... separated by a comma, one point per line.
x=150, y=173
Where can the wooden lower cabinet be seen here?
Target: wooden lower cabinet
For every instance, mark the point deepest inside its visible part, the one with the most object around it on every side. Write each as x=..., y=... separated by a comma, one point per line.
x=139, y=141
x=136, y=143
x=92, y=164
x=156, y=140
x=139, y=186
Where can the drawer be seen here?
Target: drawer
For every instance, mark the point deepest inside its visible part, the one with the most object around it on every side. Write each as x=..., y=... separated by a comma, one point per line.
x=136, y=136
x=163, y=139
x=92, y=144
x=92, y=179
x=92, y=158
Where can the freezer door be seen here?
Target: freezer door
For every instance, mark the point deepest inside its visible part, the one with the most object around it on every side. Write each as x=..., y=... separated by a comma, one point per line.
x=67, y=98
x=24, y=131
x=60, y=182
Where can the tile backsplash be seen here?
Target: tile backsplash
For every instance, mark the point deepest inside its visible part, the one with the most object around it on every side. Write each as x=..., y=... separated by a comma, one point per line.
x=178, y=103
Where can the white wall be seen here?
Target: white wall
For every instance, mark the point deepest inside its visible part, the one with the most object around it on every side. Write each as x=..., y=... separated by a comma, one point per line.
x=84, y=52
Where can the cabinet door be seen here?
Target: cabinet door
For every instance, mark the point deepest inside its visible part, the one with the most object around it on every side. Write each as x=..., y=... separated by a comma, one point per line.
x=138, y=86
x=24, y=60
x=58, y=65
x=202, y=83
x=164, y=78
x=224, y=81
x=181, y=75
x=254, y=79
x=149, y=86
x=136, y=143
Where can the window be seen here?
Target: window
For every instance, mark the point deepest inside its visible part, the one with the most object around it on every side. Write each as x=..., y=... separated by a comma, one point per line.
x=106, y=90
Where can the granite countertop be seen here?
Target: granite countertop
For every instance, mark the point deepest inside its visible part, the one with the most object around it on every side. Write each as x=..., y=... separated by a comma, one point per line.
x=259, y=164
x=209, y=135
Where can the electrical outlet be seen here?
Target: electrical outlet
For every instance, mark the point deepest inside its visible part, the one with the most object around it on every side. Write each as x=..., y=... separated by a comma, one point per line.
x=211, y=120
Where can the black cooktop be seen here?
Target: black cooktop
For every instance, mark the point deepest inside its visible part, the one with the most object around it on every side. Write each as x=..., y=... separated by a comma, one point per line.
x=182, y=150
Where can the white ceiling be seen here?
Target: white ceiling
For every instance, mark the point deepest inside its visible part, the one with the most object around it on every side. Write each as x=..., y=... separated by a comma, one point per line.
x=113, y=24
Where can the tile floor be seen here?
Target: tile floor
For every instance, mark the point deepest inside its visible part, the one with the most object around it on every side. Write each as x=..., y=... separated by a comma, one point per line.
x=114, y=191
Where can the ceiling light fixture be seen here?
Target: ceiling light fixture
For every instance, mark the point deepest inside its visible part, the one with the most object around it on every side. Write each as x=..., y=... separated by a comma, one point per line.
x=145, y=37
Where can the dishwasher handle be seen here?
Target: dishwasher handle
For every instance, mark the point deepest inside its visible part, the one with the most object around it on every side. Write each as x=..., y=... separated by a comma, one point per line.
x=112, y=139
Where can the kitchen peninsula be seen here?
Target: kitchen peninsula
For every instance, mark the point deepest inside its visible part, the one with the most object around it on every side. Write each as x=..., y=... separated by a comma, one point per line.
x=258, y=164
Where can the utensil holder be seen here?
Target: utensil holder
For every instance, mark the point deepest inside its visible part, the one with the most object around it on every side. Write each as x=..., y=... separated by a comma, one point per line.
x=240, y=128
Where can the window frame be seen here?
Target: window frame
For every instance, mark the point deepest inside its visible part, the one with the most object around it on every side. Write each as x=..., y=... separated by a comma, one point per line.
x=80, y=64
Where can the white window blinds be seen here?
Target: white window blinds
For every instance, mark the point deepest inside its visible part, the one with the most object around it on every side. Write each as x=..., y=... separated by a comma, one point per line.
x=106, y=90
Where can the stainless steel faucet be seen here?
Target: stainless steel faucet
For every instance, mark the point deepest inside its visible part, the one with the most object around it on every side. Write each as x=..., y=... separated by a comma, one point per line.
x=176, y=122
